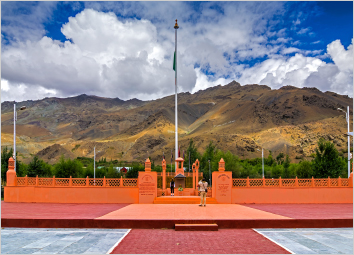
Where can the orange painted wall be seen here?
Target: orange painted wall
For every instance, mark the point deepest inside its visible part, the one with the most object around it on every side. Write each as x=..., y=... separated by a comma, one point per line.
x=34, y=194
x=292, y=195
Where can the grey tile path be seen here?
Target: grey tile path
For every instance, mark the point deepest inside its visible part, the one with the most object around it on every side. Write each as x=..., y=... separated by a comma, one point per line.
x=59, y=241
x=312, y=240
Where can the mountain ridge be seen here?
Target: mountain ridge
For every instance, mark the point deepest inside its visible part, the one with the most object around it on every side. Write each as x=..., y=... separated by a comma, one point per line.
x=235, y=117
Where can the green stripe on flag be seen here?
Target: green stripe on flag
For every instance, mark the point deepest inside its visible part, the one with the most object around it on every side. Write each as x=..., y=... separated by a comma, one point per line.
x=174, y=61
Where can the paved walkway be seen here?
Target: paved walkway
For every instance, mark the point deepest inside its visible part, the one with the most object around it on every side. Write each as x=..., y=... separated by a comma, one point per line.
x=167, y=241
x=312, y=240
x=224, y=241
x=59, y=241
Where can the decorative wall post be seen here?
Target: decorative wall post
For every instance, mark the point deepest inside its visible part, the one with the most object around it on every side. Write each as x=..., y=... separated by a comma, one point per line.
x=163, y=174
x=329, y=182
x=11, y=174
x=339, y=182
x=222, y=184
x=221, y=165
x=147, y=183
x=193, y=170
x=248, y=182
x=121, y=182
x=70, y=181
x=313, y=182
x=37, y=180
x=26, y=180
x=263, y=182
x=296, y=182
x=104, y=181
x=147, y=165
x=196, y=173
x=53, y=184
x=280, y=182
x=87, y=181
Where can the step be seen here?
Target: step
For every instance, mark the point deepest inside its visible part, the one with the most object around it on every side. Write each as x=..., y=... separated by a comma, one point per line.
x=196, y=227
x=183, y=200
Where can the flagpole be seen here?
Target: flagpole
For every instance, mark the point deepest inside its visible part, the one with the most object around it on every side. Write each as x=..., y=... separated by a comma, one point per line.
x=176, y=112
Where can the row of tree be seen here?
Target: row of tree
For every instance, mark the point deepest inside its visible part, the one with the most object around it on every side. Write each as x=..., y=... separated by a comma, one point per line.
x=327, y=162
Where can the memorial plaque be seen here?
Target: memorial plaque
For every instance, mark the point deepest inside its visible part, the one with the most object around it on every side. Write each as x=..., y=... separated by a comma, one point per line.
x=147, y=187
x=223, y=187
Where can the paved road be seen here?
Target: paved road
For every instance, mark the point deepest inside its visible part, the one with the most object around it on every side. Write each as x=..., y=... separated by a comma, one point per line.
x=312, y=240
x=59, y=241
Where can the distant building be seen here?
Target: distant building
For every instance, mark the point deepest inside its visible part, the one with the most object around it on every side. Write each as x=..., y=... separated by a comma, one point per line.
x=122, y=169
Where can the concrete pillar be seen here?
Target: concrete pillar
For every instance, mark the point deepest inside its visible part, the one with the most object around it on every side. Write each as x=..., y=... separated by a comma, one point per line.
x=11, y=174
x=163, y=174
x=193, y=170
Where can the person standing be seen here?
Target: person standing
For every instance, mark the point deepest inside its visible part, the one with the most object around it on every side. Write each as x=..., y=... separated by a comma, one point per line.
x=203, y=188
x=172, y=186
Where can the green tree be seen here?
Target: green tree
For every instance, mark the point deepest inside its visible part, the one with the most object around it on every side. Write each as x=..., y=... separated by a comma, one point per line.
x=88, y=172
x=277, y=171
x=286, y=165
x=112, y=173
x=192, y=149
x=5, y=156
x=327, y=161
x=209, y=154
x=304, y=169
x=67, y=168
x=280, y=158
x=134, y=171
x=39, y=167
x=269, y=161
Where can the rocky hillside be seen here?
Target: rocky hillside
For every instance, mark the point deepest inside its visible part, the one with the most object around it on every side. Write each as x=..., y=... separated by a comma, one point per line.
x=238, y=118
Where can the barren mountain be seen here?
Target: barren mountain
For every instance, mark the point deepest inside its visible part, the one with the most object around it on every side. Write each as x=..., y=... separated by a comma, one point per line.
x=238, y=118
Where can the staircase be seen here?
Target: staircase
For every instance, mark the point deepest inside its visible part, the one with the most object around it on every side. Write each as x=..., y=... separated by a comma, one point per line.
x=196, y=227
x=183, y=200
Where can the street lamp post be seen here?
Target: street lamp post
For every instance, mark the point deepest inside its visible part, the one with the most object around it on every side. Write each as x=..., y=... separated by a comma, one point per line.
x=94, y=164
x=15, y=119
x=209, y=173
x=347, y=119
x=262, y=163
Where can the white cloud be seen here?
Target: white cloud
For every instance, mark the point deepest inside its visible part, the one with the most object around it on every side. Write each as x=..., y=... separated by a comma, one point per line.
x=303, y=31
x=127, y=58
x=204, y=82
x=106, y=57
x=24, y=20
x=303, y=71
x=22, y=92
x=290, y=50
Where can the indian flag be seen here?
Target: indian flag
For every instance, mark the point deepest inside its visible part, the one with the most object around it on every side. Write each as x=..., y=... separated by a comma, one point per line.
x=174, y=61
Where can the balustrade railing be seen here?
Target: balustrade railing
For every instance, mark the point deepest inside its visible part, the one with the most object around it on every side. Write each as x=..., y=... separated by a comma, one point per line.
x=77, y=182
x=290, y=183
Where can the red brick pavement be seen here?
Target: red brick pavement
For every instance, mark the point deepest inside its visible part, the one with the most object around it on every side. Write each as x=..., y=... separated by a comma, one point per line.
x=224, y=241
x=56, y=211
x=308, y=211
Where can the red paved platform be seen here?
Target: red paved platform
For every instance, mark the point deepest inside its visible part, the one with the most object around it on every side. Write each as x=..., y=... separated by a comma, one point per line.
x=224, y=241
x=308, y=211
x=56, y=211
x=40, y=215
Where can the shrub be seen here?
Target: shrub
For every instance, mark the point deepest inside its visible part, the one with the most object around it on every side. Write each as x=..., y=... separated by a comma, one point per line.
x=327, y=161
x=67, y=168
x=304, y=169
x=39, y=167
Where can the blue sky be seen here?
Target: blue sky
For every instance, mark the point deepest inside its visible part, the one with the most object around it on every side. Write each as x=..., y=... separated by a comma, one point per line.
x=125, y=49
